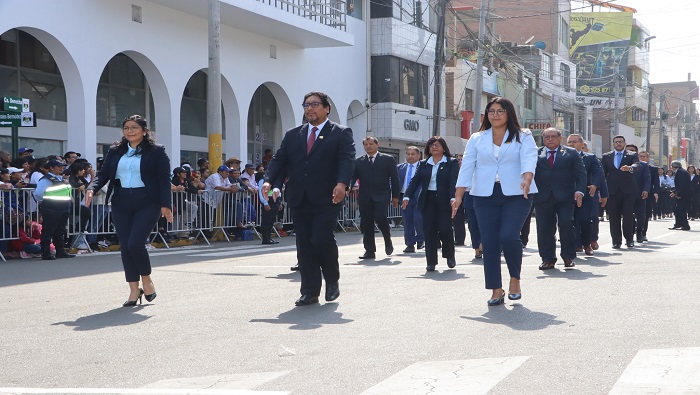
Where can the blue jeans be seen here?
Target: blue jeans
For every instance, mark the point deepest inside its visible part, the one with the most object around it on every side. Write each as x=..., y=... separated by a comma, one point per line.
x=500, y=220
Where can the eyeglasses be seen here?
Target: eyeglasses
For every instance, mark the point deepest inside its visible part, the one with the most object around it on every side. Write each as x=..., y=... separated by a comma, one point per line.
x=314, y=104
x=499, y=112
x=435, y=145
x=133, y=127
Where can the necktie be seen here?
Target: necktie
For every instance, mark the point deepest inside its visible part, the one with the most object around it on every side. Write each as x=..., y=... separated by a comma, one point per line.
x=618, y=159
x=371, y=160
x=409, y=174
x=312, y=140
x=550, y=160
x=582, y=154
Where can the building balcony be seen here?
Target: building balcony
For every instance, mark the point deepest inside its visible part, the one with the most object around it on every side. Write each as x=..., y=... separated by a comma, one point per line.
x=304, y=23
x=636, y=97
x=639, y=58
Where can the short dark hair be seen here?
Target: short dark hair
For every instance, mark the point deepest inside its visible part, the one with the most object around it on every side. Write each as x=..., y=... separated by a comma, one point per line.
x=201, y=161
x=370, y=138
x=636, y=149
x=325, y=100
x=439, y=140
x=619, y=136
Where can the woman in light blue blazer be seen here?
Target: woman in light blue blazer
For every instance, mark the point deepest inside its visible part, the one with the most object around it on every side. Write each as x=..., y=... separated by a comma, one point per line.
x=498, y=168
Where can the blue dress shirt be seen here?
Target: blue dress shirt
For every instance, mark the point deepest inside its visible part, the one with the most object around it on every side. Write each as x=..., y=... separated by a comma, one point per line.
x=129, y=170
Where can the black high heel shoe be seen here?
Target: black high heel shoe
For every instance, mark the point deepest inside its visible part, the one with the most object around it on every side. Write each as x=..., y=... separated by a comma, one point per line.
x=150, y=297
x=497, y=301
x=132, y=303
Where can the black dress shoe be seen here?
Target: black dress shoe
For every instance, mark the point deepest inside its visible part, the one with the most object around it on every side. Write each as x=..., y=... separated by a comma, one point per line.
x=688, y=228
x=269, y=242
x=389, y=248
x=430, y=268
x=63, y=254
x=420, y=245
x=451, y=263
x=409, y=249
x=674, y=228
x=368, y=255
x=332, y=292
x=306, y=300
x=630, y=244
x=617, y=246
x=294, y=268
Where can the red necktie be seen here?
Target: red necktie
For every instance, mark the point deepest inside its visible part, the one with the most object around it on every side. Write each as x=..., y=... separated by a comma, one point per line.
x=312, y=140
x=551, y=158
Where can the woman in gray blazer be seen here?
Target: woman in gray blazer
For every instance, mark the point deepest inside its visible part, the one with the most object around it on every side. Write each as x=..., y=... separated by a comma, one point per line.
x=498, y=168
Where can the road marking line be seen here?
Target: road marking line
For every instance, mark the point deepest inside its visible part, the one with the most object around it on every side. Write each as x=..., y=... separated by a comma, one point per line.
x=472, y=376
x=665, y=371
x=142, y=391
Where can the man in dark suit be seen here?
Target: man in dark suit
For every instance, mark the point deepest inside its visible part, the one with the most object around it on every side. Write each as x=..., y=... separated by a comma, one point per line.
x=642, y=178
x=317, y=159
x=617, y=167
x=583, y=230
x=379, y=185
x=681, y=196
x=560, y=177
x=411, y=217
x=654, y=189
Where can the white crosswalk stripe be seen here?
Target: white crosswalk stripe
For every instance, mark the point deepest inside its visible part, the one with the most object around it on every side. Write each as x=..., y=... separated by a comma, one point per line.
x=665, y=371
x=472, y=376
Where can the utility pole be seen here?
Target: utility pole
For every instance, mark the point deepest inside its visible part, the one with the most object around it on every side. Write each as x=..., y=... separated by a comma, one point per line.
x=214, y=86
x=651, y=96
x=616, y=126
x=662, y=98
x=439, y=65
x=479, y=65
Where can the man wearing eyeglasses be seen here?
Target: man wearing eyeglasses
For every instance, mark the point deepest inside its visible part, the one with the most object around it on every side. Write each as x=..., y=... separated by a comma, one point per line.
x=561, y=181
x=318, y=159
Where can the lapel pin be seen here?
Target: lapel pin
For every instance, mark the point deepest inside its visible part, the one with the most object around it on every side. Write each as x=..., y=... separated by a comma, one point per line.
x=320, y=137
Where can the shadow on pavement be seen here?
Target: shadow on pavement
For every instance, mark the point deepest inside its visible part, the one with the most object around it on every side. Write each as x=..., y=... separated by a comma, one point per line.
x=518, y=317
x=375, y=262
x=570, y=274
x=445, y=275
x=294, y=277
x=308, y=317
x=120, y=316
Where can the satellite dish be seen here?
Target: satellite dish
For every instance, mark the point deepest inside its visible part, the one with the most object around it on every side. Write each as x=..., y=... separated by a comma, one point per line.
x=540, y=45
x=529, y=39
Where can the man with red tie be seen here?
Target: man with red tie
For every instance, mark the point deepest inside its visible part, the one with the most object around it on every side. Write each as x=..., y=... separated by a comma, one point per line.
x=318, y=159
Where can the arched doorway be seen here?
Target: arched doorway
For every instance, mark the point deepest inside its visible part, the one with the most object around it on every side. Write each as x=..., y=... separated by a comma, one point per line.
x=193, y=119
x=29, y=70
x=264, y=125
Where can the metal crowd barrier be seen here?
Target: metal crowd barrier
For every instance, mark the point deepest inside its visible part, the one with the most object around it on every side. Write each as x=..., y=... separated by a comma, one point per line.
x=196, y=215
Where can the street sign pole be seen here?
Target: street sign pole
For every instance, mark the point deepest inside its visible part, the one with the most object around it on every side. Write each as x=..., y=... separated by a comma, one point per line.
x=15, y=140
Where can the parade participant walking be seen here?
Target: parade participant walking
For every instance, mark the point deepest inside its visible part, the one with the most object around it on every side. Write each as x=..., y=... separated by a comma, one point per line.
x=138, y=172
x=436, y=179
x=318, y=160
x=379, y=185
x=617, y=167
x=54, y=196
x=642, y=178
x=681, y=196
x=561, y=181
x=498, y=167
x=654, y=191
x=411, y=217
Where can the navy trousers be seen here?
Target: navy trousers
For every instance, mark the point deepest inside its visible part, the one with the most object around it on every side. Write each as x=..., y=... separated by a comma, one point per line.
x=472, y=222
x=583, y=220
x=134, y=218
x=412, y=220
x=549, y=215
x=500, y=220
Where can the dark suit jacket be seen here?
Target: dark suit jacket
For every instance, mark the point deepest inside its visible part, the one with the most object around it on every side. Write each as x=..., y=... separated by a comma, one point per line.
x=379, y=182
x=446, y=179
x=642, y=177
x=682, y=181
x=402, y=169
x=620, y=181
x=594, y=173
x=155, y=174
x=330, y=161
x=561, y=181
x=655, y=182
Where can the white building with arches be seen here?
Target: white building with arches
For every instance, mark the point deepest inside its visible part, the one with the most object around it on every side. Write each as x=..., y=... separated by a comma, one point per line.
x=87, y=64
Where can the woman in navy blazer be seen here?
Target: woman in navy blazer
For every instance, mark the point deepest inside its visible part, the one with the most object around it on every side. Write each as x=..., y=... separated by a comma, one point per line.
x=436, y=177
x=498, y=167
x=138, y=173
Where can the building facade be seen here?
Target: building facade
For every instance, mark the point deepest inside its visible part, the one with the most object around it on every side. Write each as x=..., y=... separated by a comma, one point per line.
x=119, y=58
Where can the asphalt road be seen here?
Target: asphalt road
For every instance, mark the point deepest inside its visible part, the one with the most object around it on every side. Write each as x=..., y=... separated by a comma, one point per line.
x=621, y=322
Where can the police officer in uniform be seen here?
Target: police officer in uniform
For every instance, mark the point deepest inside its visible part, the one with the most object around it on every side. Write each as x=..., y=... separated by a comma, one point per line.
x=54, y=197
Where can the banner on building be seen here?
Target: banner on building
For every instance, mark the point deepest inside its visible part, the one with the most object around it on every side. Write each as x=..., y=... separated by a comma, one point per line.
x=600, y=43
